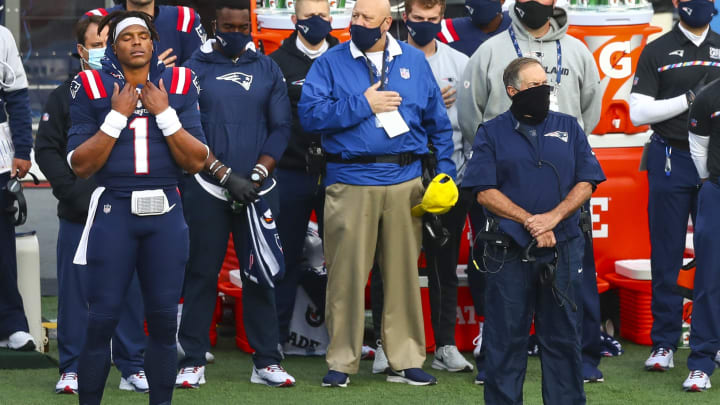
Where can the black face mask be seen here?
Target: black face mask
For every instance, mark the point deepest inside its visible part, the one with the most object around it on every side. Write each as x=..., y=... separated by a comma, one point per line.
x=533, y=14
x=531, y=106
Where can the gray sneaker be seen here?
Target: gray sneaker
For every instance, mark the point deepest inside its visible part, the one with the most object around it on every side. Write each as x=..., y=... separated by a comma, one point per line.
x=449, y=358
x=380, y=363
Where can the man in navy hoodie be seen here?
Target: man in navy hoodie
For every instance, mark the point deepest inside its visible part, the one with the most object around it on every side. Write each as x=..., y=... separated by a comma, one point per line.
x=246, y=115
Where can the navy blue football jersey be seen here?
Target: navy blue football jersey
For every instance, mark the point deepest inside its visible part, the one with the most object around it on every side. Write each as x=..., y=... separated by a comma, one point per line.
x=178, y=27
x=141, y=158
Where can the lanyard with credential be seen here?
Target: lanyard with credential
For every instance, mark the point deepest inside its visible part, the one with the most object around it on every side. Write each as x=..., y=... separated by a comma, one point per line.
x=384, y=71
x=558, y=74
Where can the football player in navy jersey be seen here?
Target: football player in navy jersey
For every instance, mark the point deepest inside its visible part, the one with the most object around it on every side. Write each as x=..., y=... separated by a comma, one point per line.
x=179, y=30
x=135, y=137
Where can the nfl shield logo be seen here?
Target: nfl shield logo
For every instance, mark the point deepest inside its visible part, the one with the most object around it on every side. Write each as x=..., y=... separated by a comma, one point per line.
x=714, y=53
x=405, y=73
x=107, y=208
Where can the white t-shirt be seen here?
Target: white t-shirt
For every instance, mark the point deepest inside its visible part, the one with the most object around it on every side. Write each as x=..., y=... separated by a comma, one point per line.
x=448, y=66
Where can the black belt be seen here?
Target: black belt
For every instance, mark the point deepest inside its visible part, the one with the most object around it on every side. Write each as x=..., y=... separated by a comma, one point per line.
x=673, y=143
x=402, y=159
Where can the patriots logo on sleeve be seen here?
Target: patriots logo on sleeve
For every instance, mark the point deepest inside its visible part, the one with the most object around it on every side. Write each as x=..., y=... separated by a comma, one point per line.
x=74, y=87
x=201, y=33
x=238, y=78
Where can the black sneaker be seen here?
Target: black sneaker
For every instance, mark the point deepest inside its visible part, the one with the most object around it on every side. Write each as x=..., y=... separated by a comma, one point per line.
x=335, y=379
x=412, y=376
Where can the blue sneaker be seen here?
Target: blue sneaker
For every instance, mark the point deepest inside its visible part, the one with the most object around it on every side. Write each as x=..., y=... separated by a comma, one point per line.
x=591, y=373
x=335, y=379
x=480, y=377
x=412, y=376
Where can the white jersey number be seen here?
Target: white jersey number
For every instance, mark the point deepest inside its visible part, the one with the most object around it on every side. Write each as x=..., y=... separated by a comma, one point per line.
x=140, y=135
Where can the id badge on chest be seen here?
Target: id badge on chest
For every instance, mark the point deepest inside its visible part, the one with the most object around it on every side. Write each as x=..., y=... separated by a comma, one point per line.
x=554, y=105
x=149, y=202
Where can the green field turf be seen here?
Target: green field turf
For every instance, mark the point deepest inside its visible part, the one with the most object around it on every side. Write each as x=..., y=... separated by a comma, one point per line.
x=229, y=383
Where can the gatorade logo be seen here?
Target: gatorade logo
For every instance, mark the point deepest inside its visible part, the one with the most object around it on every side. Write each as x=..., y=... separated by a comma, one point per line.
x=611, y=65
x=601, y=203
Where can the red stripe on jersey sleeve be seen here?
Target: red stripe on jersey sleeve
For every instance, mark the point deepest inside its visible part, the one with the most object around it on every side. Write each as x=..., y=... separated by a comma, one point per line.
x=181, y=16
x=86, y=85
x=191, y=13
x=99, y=84
x=442, y=38
x=451, y=29
x=174, y=83
x=188, y=79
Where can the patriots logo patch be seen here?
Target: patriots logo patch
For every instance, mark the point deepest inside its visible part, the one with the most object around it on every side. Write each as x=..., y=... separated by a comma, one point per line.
x=201, y=33
x=677, y=52
x=238, y=78
x=298, y=82
x=304, y=28
x=74, y=87
x=196, y=82
x=688, y=10
x=563, y=136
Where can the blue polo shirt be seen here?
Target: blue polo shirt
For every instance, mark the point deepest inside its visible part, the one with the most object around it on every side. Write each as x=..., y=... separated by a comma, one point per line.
x=523, y=167
x=333, y=104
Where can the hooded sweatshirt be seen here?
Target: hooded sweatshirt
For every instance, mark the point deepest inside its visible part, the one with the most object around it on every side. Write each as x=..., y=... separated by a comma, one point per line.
x=482, y=95
x=244, y=107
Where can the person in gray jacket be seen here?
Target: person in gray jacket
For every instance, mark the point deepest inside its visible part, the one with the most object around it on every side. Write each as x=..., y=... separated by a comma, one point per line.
x=539, y=30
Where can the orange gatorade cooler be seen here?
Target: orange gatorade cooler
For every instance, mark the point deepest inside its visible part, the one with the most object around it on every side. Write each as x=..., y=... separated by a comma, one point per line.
x=615, y=34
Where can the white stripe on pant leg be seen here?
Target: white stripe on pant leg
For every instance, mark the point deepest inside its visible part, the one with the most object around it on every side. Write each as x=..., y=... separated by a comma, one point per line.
x=81, y=252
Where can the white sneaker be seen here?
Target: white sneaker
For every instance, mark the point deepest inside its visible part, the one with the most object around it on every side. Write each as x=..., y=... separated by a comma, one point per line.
x=273, y=375
x=661, y=359
x=190, y=377
x=449, y=358
x=380, y=363
x=209, y=357
x=68, y=384
x=478, y=341
x=135, y=382
x=697, y=381
x=717, y=359
x=20, y=340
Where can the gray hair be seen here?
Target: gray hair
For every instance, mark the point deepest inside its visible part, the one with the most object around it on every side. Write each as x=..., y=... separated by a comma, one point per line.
x=511, y=75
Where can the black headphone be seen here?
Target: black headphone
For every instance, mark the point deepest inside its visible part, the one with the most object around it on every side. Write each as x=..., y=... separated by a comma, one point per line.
x=548, y=272
x=15, y=190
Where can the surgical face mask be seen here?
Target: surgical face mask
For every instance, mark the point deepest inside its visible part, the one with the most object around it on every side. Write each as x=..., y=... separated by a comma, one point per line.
x=531, y=106
x=364, y=38
x=95, y=55
x=533, y=14
x=232, y=43
x=696, y=13
x=422, y=32
x=313, y=29
x=483, y=11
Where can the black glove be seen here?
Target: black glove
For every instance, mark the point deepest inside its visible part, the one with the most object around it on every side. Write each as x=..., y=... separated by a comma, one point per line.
x=691, y=94
x=241, y=189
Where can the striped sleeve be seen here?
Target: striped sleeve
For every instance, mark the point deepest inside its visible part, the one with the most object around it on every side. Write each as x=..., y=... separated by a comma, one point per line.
x=447, y=32
x=92, y=84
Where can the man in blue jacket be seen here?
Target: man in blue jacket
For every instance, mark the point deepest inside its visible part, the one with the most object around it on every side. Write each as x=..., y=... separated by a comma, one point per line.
x=15, y=134
x=246, y=116
x=531, y=170
x=377, y=106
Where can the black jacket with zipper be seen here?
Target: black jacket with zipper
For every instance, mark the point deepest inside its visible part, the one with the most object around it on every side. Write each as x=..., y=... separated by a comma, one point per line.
x=295, y=66
x=72, y=192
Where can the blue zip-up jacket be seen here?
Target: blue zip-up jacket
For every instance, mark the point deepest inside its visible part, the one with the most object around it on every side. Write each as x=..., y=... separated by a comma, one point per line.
x=244, y=106
x=133, y=164
x=14, y=98
x=333, y=104
x=521, y=167
x=178, y=27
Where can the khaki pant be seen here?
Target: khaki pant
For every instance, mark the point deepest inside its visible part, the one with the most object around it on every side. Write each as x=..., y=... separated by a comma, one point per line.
x=360, y=223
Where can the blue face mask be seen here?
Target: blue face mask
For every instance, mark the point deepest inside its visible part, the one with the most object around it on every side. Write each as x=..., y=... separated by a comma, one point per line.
x=232, y=43
x=422, y=32
x=364, y=38
x=696, y=13
x=95, y=55
x=313, y=29
x=483, y=11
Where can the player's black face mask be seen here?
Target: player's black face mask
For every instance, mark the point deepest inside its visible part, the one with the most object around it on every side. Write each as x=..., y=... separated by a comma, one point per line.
x=533, y=14
x=531, y=106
